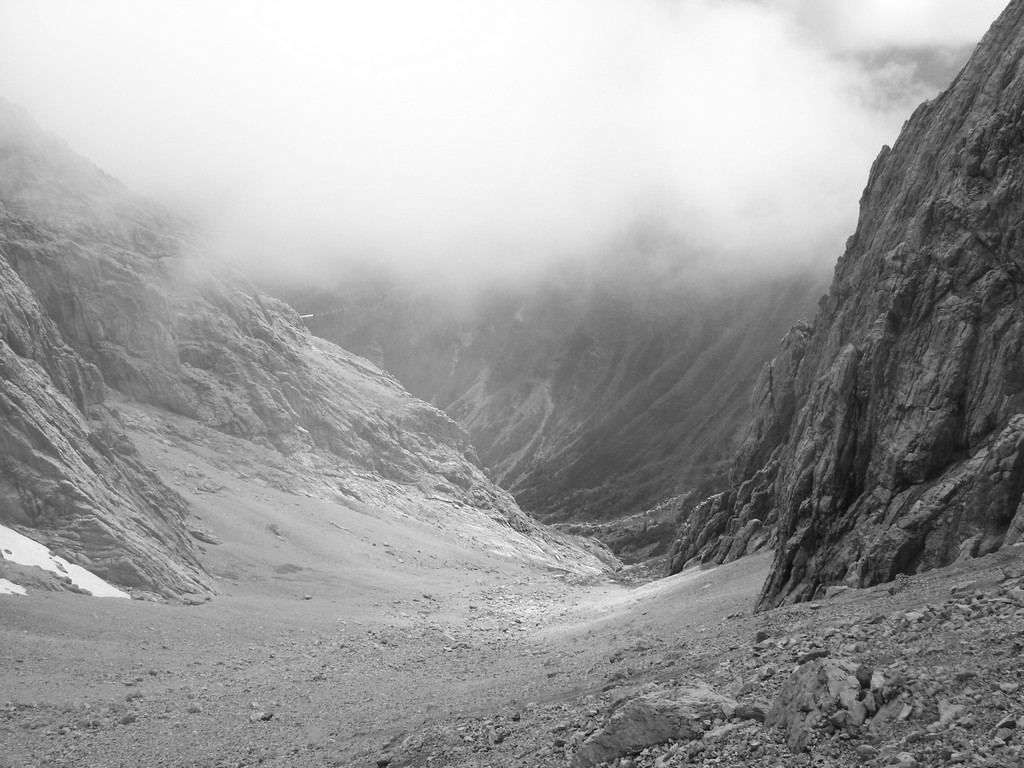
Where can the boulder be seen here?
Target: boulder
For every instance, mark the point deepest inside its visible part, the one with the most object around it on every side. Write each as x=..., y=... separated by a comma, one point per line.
x=820, y=692
x=649, y=720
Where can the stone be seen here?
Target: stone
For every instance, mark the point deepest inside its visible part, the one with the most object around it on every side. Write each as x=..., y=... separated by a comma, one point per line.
x=967, y=721
x=648, y=720
x=857, y=713
x=969, y=549
x=749, y=712
x=864, y=676
x=809, y=697
x=767, y=672
x=204, y=535
x=812, y=655
x=948, y=712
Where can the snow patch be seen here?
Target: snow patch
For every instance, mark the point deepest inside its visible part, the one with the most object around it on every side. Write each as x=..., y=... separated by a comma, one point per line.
x=24, y=551
x=10, y=588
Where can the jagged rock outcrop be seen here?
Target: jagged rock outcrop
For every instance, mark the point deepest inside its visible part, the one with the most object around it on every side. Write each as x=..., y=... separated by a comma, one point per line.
x=648, y=720
x=906, y=446
x=66, y=466
x=591, y=393
x=102, y=290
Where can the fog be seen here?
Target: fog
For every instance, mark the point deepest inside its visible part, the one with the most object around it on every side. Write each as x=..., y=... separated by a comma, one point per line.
x=488, y=138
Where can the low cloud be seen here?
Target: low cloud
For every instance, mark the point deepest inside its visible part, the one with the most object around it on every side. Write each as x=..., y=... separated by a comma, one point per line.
x=863, y=25
x=489, y=137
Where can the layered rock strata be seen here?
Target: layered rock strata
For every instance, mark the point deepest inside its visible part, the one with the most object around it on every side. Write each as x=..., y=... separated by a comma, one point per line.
x=888, y=437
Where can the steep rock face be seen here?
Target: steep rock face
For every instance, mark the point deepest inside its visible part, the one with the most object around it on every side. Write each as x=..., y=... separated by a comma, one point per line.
x=109, y=290
x=589, y=395
x=905, y=450
x=67, y=470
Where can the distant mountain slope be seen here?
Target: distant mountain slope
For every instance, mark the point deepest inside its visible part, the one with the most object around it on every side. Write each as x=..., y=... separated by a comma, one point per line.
x=66, y=466
x=101, y=289
x=590, y=394
x=889, y=438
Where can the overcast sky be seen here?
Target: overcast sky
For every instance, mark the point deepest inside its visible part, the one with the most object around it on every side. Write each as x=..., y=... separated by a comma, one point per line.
x=484, y=134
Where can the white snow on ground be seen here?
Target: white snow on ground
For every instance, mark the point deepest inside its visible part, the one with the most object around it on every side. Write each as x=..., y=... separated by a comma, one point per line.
x=10, y=588
x=22, y=550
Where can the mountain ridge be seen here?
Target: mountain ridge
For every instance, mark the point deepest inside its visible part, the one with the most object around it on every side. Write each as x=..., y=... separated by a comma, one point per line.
x=106, y=290
x=593, y=393
x=887, y=438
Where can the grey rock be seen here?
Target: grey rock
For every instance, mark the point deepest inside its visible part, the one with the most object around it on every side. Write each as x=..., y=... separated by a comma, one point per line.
x=204, y=535
x=649, y=720
x=948, y=712
x=819, y=653
x=891, y=431
x=811, y=695
x=866, y=752
x=749, y=712
x=68, y=480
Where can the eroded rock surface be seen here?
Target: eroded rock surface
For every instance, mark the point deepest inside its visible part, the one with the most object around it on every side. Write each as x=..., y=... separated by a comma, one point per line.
x=649, y=720
x=67, y=470
x=890, y=433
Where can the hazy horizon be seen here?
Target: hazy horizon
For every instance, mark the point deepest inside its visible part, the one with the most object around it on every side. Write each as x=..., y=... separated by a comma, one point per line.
x=490, y=139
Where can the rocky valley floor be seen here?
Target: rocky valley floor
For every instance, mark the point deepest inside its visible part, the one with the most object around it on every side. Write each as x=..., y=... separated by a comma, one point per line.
x=340, y=637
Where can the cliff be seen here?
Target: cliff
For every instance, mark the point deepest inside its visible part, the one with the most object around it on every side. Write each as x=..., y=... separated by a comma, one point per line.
x=887, y=438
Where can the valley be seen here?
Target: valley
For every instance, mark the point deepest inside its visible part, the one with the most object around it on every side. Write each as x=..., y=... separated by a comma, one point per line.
x=359, y=636
x=592, y=394
x=362, y=638
x=347, y=624
x=619, y=510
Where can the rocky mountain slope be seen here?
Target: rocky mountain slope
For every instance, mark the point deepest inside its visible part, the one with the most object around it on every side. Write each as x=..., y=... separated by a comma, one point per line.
x=66, y=466
x=593, y=392
x=887, y=438
x=105, y=293
x=675, y=672
x=876, y=677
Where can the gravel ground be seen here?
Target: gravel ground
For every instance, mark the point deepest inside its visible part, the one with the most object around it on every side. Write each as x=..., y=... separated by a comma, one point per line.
x=341, y=638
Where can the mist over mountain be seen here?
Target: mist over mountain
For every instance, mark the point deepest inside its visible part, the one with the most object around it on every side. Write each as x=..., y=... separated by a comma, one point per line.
x=592, y=261
x=593, y=392
x=480, y=155
x=110, y=303
x=481, y=141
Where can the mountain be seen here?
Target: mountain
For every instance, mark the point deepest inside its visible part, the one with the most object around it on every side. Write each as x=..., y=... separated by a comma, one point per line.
x=107, y=301
x=888, y=437
x=592, y=392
